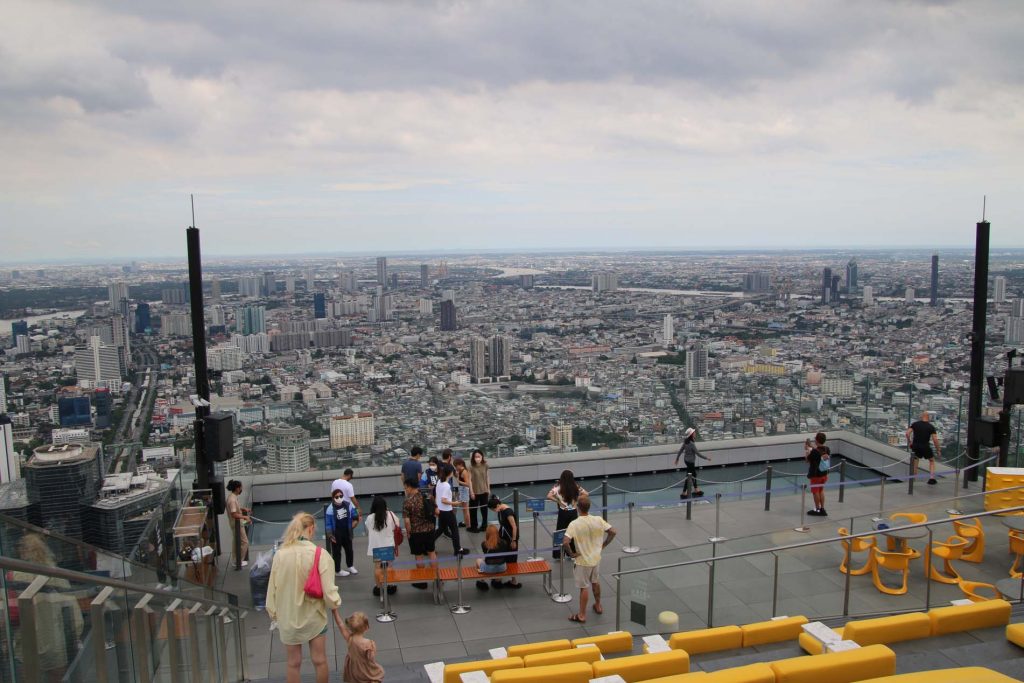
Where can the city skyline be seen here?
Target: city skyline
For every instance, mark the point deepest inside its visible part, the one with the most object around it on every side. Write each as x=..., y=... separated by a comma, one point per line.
x=490, y=126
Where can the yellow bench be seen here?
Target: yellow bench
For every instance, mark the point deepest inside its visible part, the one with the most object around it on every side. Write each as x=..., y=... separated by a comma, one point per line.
x=751, y=673
x=973, y=674
x=643, y=667
x=969, y=617
x=577, y=672
x=524, y=649
x=837, y=667
x=453, y=672
x=772, y=631
x=619, y=641
x=812, y=645
x=892, y=629
x=579, y=654
x=707, y=639
x=1015, y=634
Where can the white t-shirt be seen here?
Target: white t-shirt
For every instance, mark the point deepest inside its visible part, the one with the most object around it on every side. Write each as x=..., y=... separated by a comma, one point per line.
x=385, y=538
x=346, y=488
x=443, y=490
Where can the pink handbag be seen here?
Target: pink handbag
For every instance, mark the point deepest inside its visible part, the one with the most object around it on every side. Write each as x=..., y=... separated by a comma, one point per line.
x=313, y=587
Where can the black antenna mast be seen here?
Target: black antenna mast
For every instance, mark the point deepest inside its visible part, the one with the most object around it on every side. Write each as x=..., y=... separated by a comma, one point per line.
x=192, y=199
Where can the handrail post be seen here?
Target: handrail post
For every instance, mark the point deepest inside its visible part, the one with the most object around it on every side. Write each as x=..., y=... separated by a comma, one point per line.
x=630, y=548
x=846, y=582
x=459, y=607
x=604, y=500
x=386, y=615
x=718, y=514
x=775, y=586
x=142, y=640
x=803, y=528
x=768, y=490
x=29, y=642
x=173, y=646
x=561, y=595
x=927, y=571
x=711, y=587
x=618, y=602
x=97, y=618
x=534, y=555
x=842, y=480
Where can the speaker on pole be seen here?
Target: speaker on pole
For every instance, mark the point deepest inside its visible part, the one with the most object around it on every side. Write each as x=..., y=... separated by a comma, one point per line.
x=218, y=431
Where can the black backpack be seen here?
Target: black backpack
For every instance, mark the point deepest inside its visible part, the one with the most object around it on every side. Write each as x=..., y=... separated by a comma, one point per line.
x=429, y=507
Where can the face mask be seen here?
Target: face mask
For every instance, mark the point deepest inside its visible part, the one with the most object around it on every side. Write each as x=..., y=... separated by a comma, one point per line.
x=338, y=499
x=433, y=467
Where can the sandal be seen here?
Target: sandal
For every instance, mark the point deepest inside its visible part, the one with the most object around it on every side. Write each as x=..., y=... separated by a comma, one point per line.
x=576, y=618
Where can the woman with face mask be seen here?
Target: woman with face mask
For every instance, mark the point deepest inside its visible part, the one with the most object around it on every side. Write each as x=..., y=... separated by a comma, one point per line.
x=480, y=475
x=340, y=519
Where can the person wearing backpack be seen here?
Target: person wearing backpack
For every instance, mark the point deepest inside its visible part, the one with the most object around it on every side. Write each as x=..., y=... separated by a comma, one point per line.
x=420, y=514
x=818, y=462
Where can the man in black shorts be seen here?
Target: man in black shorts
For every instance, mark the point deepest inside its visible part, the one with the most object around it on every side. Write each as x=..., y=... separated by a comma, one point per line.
x=419, y=526
x=920, y=436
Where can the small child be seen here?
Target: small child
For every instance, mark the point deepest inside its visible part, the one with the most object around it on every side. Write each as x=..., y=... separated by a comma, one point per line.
x=361, y=661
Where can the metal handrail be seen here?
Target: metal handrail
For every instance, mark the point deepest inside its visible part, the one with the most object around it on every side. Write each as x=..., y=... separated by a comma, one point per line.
x=79, y=577
x=807, y=544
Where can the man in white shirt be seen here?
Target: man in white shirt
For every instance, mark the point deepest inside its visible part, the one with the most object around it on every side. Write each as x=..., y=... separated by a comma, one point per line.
x=590, y=535
x=446, y=521
x=348, y=492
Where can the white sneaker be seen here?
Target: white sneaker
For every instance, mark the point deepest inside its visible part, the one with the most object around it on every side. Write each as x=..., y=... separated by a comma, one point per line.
x=341, y=572
x=245, y=563
x=353, y=570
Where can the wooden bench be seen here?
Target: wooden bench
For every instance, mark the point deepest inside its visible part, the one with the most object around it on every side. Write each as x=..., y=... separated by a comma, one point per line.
x=416, y=575
x=513, y=569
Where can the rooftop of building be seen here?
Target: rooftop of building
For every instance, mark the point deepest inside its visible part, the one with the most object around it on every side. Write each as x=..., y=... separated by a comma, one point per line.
x=51, y=455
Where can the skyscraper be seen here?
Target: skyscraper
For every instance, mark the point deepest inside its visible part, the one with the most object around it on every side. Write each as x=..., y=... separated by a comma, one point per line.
x=756, y=282
x=697, y=361
x=319, y=305
x=382, y=271
x=74, y=411
x=215, y=290
x=3, y=394
x=604, y=282
x=353, y=430
x=176, y=295
x=834, y=295
x=19, y=328
x=287, y=449
x=142, y=317
x=999, y=289
x=10, y=462
x=449, y=316
x=869, y=293
x=499, y=356
x=251, y=319
x=668, y=330
x=394, y=280
x=121, y=339
x=383, y=307
x=935, y=281
x=98, y=364
x=424, y=275
x=117, y=292
x=289, y=284
x=477, y=358
x=851, y=276
x=826, y=286
x=269, y=285
x=103, y=403
x=249, y=287
x=910, y=295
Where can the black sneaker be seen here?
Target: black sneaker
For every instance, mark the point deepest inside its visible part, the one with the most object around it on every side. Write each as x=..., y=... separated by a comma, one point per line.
x=932, y=482
x=392, y=590
x=376, y=591
x=496, y=584
x=813, y=513
x=822, y=513
x=482, y=585
x=462, y=525
x=463, y=552
x=684, y=496
x=421, y=586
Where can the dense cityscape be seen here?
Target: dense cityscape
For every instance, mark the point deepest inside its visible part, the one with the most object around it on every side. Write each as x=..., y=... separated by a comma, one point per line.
x=332, y=362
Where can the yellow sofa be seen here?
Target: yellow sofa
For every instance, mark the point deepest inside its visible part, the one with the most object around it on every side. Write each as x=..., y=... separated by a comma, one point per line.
x=751, y=673
x=772, y=631
x=969, y=617
x=642, y=667
x=966, y=674
x=576, y=654
x=872, y=661
x=619, y=641
x=577, y=672
x=1015, y=634
x=707, y=639
x=524, y=649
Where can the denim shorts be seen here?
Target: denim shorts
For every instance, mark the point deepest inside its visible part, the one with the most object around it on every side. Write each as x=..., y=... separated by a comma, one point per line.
x=493, y=568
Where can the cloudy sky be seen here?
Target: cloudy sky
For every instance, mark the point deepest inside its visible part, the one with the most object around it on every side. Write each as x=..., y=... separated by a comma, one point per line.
x=390, y=126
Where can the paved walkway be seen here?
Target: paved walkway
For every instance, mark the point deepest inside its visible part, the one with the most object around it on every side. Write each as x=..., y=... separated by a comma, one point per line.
x=744, y=589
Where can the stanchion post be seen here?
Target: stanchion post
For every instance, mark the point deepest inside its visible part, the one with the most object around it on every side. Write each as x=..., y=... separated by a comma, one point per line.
x=630, y=548
x=718, y=514
x=881, y=496
x=459, y=607
x=768, y=490
x=689, y=508
x=561, y=595
x=386, y=615
x=534, y=555
x=911, y=475
x=238, y=543
x=842, y=480
x=515, y=504
x=604, y=500
x=803, y=528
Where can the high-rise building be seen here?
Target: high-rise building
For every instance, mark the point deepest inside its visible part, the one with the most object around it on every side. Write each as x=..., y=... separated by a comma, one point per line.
x=394, y=280
x=382, y=271
x=215, y=290
x=756, y=282
x=835, y=288
x=98, y=364
x=251, y=319
x=869, y=293
x=826, y=286
x=499, y=356
x=668, y=330
x=1018, y=307
x=935, y=281
x=287, y=449
x=74, y=411
x=121, y=339
x=269, y=284
x=22, y=345
x=910, y=295
x=176, y=325
x=103, y=403
x=10, y=462
x=353, y=430
x=604, y=282
x=60, y=480
x=560, y=435
x=424, y=275
x=116, y=293
x=697, y=361
x=383, y=307
x=1014, y=330
x=319, y=305
x=477, y=358
x=527, y=281
x=999, y=289
x=349, y=282
x=249, y=287
x=142, y=317
x=175, y=296
x=310, y=279
x=289, y=284
x=449, y=316
x=3, y=394
x=19, y=328
x=426, y=307
x=851, y=276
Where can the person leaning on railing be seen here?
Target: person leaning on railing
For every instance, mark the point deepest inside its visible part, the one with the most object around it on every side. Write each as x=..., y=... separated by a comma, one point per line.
x=300, y=618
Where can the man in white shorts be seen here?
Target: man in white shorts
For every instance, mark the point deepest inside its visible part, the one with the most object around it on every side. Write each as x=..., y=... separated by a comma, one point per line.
x=589, y=535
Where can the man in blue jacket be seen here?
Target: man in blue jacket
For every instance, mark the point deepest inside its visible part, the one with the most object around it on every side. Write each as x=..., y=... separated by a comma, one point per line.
x=340, y=518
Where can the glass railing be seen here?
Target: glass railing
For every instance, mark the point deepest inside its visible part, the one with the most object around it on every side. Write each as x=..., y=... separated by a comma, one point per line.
x=741, y=580
x=63, y=625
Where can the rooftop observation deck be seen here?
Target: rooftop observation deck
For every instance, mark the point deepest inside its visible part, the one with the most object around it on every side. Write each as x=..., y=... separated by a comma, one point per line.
x=766, y=582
